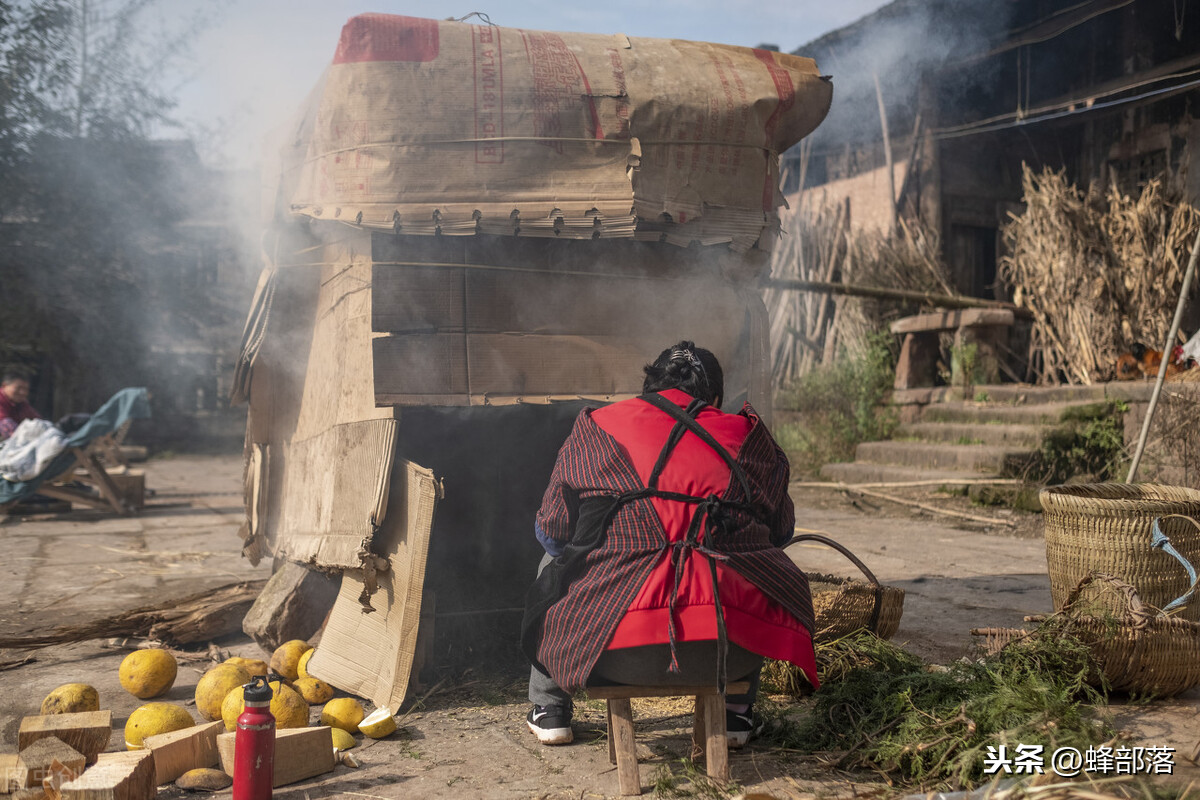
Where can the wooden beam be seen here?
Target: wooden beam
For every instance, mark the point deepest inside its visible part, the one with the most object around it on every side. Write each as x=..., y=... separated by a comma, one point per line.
x=857, y=290
x=195, y=618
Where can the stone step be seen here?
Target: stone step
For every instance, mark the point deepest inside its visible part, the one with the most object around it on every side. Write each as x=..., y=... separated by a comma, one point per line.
x=929, y=455
x=857, y=472
x=985, y=413
x=1016, y=393
x=1024, y=394
x=1029, y=436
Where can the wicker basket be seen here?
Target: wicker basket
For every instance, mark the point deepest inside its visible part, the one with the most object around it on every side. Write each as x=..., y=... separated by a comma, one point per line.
x=1141, y=650
x=845, y=605
x=1106, y=527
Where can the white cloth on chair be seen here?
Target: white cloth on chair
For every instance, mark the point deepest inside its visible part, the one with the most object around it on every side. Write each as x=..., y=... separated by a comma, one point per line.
x=31, y=448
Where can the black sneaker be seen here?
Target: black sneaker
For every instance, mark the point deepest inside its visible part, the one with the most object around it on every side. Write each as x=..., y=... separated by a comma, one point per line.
x=551, y=724
x=740, y=727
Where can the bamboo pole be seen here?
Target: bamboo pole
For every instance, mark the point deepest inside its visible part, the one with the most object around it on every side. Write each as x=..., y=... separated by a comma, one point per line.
x=887, y=153
x=926, y=507
x=1166, y=359
x=855, y=290
x=901, y=484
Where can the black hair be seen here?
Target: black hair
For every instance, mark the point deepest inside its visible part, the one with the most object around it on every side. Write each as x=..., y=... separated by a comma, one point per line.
x=10, y=377
x=688, y=368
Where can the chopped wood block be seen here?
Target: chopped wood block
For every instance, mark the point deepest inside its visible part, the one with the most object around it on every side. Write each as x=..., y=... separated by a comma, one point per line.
x=36, y=760
x=299, y=753
x=59, y=774
x=37, y=793
x=178, y=752
x=115, y=776
x=87, y=731
x=11, y=776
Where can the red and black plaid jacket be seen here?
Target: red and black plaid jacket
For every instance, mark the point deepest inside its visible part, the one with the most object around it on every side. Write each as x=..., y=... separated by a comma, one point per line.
x=578, y=628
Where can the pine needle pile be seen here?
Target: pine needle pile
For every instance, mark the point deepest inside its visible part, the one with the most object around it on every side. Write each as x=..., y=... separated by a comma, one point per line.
x=1099, y=272
x=882, y=709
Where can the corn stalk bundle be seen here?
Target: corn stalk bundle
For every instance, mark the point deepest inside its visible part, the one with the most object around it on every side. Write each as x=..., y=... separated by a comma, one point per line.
x=1098, y=272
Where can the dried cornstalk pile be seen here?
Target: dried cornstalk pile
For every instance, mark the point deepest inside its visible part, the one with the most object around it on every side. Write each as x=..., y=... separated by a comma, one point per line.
x=819, y=244
x=1098, y=272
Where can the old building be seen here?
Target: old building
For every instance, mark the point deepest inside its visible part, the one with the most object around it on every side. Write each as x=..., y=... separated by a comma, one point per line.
x=968, y=91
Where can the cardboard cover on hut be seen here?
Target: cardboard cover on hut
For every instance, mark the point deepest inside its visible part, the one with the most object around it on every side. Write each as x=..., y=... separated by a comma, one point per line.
x=441, y=127
x=1108, y=528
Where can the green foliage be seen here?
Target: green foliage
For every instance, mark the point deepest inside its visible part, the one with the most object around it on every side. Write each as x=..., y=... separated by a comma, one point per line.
x=840, y=406
x=929, y=726
x=1094, y=447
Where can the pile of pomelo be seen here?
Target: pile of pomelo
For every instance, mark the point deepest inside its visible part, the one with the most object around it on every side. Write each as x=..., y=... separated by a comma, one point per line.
x=151, y=672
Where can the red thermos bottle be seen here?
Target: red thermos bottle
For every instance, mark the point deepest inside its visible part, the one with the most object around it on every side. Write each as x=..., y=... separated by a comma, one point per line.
x=254, y=744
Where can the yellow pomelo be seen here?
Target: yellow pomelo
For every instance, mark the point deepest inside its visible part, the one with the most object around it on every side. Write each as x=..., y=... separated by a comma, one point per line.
x=378, y=724
x=342, y=740
x=148, y=673
x=153, y=719
x=253, y=666
x=286, y=658
x=214, y=685
x=71, y=698
x=314, y=690
x=302, y=664
x=287, y=706
x=344, y=713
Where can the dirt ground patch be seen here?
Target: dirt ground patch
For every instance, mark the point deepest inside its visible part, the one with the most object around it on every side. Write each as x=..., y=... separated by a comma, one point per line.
x=467, y=738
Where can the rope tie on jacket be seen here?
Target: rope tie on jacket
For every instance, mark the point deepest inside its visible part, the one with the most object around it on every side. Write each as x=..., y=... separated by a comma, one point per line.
x=709, y=515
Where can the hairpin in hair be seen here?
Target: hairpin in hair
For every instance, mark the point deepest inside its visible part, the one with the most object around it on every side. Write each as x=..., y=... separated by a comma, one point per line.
x=688, y=356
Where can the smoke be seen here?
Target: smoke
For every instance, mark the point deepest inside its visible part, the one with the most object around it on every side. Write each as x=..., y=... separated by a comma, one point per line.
x=897, y=45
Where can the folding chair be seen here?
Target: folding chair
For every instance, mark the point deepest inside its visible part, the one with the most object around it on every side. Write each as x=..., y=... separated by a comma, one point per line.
x=80, y=461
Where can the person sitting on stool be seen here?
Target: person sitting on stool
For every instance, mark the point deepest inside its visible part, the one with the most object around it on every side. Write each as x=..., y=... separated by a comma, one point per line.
x=663, y=525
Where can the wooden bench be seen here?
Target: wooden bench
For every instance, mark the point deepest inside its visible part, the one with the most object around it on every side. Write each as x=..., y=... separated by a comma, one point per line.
x=708, y=727
x=986, y=328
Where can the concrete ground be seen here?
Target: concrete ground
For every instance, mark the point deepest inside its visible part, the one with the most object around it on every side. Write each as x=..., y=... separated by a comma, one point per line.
x=468, y=737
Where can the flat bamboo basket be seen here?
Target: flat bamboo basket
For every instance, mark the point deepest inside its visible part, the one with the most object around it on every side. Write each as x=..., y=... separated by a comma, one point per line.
x=1107, y=528
x=844, y=605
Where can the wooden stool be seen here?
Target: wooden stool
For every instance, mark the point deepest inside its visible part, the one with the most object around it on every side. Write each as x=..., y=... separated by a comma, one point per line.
x=708, y=727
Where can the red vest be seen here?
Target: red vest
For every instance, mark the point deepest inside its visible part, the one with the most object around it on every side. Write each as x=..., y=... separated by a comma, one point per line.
x=752, y=619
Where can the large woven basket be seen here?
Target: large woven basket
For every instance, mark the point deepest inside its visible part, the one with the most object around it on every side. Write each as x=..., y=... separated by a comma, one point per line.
x=845, y=605
x=1140, y=650
x=1106, y=527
